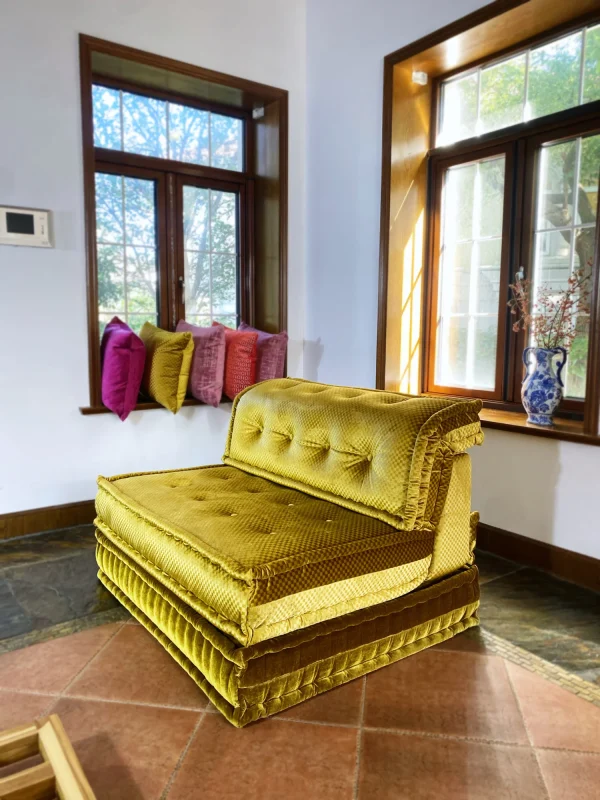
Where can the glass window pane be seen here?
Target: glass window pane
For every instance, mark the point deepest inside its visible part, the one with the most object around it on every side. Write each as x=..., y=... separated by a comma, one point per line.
x=136, y=321
x=144, y=125
x=140, y=218
x=195, y=219
x=451, y=362
x=224, y=284
x=141, y=280
x=197, y=284
x=211, y=257
x=226, y=142
x=591, y=77
x=469, y=275
x=554, y=75
x=188, y=134
x=459, y=109
x=589, y=174
x=458, y=202
x=199, y=319
x=491, y=176
x=557, y=166
x=502, y=94
x=107, y=117
x=223, y=222
x=109, y=208
x=230, y=321
x=485, y=338
x=488, y=276
x=127, y=271
x=111, y=278
x=457, y=260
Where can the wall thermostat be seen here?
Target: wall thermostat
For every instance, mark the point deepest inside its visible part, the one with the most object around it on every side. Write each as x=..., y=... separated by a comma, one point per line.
x=29, y=227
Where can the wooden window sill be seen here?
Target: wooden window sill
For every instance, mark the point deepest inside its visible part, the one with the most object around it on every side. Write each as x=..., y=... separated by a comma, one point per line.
x=566, y=429
x=145, y=406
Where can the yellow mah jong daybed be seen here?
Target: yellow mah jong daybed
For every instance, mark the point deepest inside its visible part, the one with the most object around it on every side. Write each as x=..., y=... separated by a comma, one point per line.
x=337, y=537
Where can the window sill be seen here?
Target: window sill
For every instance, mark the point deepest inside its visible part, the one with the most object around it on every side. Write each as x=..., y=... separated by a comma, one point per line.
x=563, y=429
x=144, y=406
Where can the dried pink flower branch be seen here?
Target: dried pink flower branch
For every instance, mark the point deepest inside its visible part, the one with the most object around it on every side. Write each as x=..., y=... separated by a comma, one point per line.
x=555, y=316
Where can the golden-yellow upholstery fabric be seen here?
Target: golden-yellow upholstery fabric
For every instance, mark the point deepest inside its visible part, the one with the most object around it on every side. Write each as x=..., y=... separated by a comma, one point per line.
x=168, y=363
x=375, y=452
x=255, y=558
x=336, y=538
x=249, y=682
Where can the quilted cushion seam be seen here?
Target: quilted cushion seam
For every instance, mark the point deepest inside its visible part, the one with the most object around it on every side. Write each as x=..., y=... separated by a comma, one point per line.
x=218, y=614
x=239, y=577
x=388, y=652
x=342, y=602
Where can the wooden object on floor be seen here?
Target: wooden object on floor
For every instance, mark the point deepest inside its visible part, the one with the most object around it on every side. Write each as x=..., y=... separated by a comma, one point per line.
x=60, y=774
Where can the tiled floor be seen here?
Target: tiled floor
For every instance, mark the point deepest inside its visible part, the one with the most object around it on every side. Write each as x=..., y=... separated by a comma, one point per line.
x=465, y=719
x=446, y=723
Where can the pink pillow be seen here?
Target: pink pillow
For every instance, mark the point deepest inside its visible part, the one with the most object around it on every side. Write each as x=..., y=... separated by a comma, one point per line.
x=208, y=362
x=123, y=356
x=270, y=353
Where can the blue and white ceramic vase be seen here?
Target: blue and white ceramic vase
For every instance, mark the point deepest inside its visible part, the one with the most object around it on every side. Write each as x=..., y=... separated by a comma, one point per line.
x=542, y=387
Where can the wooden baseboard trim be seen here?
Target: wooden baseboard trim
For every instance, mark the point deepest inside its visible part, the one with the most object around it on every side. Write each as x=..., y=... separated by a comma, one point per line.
x=574, y=567
x=38, y=520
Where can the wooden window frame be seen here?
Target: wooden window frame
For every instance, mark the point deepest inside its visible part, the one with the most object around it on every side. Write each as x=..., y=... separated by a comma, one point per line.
x=261, y=189
x=521, y=143
x=438, y=168
x=408, y=153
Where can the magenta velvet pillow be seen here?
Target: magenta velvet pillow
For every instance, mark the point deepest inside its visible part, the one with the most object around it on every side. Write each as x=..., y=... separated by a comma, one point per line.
x=123, y=356
x=270, y=353
x=208, y=362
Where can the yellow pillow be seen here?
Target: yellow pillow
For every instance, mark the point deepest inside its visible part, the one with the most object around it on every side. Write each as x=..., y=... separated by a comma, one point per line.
x=168, y=362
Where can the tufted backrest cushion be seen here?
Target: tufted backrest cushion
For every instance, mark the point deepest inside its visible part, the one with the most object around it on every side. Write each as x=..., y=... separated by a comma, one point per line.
x=374, y=452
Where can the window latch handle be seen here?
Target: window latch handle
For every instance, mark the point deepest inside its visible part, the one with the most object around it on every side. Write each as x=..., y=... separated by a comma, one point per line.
x=181, y=283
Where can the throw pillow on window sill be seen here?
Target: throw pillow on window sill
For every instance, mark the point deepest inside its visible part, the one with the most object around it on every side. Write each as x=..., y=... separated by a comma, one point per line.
x=240, y=360
x=208, y=362
x=122, y=355
x=168, y=363
x=270, y=352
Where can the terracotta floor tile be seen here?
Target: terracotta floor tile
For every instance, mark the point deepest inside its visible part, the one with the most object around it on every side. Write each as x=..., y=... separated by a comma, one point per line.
x=397, y=767
x=471, y=641
x=270, y=760
x=340, y=706
x=570, y=775
x=134, y=667
x=554, y=716
x=19, y=709
x=48, y=667
x=127, y=752
x=460, y=694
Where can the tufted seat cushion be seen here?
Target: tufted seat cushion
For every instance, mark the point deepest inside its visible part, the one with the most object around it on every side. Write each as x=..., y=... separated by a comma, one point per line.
x=378, y=453
x=255, y=558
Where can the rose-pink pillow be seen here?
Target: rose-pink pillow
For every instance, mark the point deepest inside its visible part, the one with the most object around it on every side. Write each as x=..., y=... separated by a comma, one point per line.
x=270, y=353
x=123, y=356
x=208, y=362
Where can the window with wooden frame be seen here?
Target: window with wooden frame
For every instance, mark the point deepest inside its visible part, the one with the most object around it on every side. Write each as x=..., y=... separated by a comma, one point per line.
x=185, y=188
x=514, y=181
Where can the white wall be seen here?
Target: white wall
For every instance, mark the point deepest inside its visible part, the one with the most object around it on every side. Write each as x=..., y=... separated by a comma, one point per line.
x=49, y=453
x=532, y=486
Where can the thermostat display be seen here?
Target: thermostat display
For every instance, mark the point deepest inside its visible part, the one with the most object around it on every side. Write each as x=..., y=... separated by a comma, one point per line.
x=24, y=226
